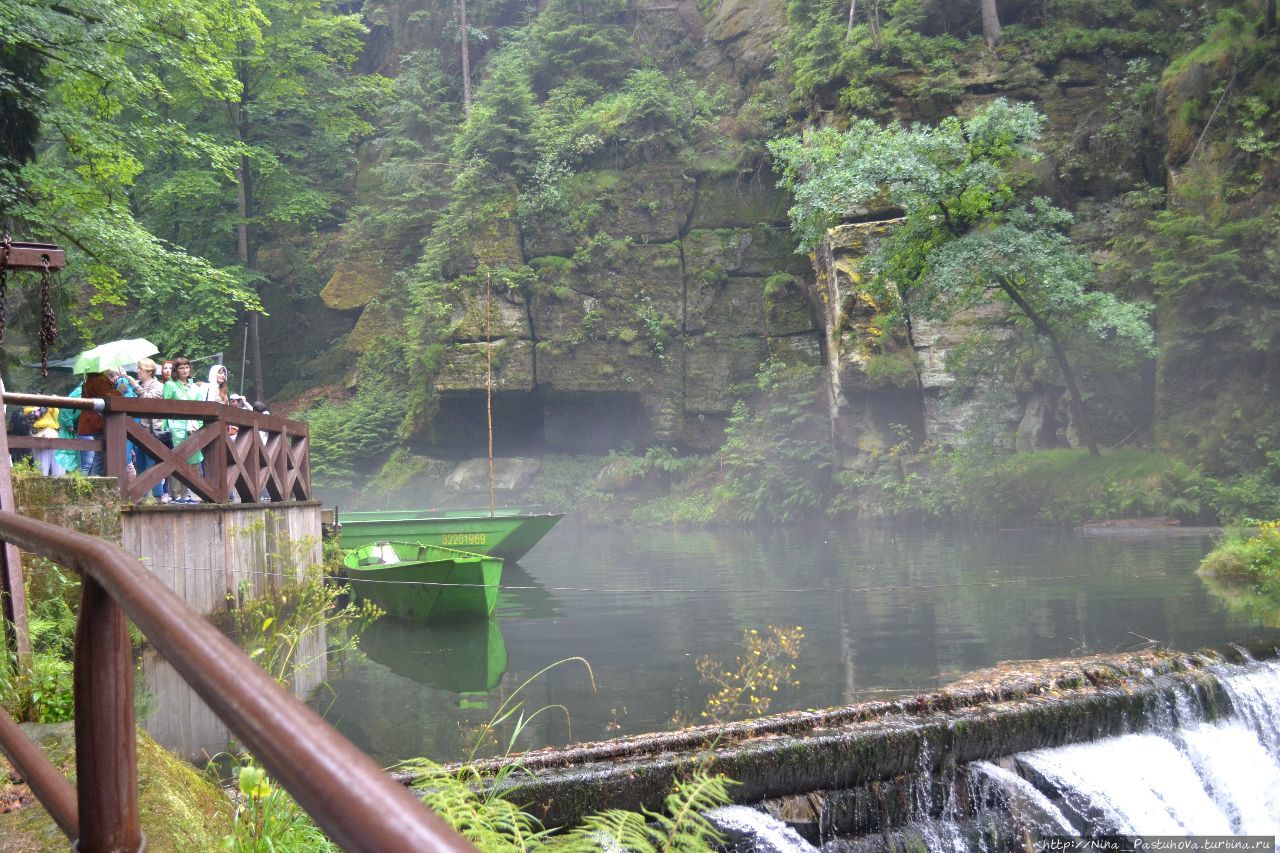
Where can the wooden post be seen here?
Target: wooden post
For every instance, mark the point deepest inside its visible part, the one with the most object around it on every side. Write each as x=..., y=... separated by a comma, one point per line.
x=215, y=462
x=12, y=587
x=106, y=741
x=115, y=450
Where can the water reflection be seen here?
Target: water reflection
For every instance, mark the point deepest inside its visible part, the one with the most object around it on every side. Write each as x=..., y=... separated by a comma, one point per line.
x=462, y=657
x=885, y=610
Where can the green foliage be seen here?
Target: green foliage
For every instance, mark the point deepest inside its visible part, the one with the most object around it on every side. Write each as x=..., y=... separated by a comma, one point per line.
x=344, y=435
x=565, y=481
x=268, y=819
x=103, y=114
x=683, y=826
x=44, y=692
x=498, y=130
x=573, y=40
x=970, y=238
x=893, y=369
x=273, y=626
x=1062, y=488
x=777, y=457
x=1248, y=552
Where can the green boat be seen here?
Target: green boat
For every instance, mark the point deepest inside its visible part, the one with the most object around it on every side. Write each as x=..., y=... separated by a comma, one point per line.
x=411, y=580
x=509, y=533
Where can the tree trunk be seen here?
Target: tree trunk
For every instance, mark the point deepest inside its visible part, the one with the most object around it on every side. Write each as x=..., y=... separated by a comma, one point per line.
x=990, y=23
x=466, y=57
x=853, y=10
x=246, y=252
x=1270, y=23
x=1064, y=365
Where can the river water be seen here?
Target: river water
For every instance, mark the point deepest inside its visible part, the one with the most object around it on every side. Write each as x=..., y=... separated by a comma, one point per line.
x=884, y=611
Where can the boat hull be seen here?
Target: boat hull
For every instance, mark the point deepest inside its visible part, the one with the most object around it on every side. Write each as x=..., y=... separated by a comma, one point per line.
x=508, y=534
x=429, y=583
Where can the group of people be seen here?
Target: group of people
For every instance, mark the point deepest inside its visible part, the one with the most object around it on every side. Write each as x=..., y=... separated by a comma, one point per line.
x=170, y=380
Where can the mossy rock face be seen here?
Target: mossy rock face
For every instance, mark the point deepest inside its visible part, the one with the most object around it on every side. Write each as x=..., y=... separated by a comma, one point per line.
x=630, y=287
x=508, y=315
x=492, y=239
x=608, y=366
x=745, y=32
x=464, y=366
x=796, y=349
x=729, y=305
x=180, y=809
x=763, y=250
x=786, y=310
x=649, y=203
x=739, y=201
x=354, y=283
x=716, y=363
x=376, y=324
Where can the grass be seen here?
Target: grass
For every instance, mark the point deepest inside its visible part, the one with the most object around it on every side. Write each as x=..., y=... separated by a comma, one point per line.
x=1055, y=487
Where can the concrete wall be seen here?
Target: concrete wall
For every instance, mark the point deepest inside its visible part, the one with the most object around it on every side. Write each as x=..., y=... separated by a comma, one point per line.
x=205, y=551
x=90, y=505
x=201, y=551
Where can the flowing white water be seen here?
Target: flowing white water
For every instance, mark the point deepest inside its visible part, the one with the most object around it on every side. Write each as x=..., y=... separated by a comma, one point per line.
x=751, y=831
x=1025, y=797
x=1203, y=778
x=1186, y=775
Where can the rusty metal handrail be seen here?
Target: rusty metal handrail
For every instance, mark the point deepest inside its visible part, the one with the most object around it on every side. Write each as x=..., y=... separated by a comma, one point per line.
x=348, y=795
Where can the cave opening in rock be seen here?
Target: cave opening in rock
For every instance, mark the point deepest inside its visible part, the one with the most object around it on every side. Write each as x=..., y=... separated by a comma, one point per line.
x=594, y=422
x=460, y=428
x=530, y=423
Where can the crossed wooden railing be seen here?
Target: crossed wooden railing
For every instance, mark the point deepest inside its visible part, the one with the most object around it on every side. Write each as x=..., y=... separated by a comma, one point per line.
x=251, y=455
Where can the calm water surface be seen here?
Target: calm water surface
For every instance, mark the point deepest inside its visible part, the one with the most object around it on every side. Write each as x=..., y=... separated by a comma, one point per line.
x=884, y=611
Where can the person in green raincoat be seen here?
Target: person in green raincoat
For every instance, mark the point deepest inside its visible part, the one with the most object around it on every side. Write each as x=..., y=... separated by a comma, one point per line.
x=180, y=387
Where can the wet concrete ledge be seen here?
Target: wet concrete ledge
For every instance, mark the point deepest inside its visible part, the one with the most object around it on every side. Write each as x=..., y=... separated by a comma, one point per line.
x=991, y=713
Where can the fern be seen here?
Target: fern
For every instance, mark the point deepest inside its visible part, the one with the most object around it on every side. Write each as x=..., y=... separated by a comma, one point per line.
x=683, y=827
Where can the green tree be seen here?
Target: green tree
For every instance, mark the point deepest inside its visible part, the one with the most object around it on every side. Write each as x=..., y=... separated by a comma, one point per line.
x=296, y=103
x=970, y=234
x=94, y=79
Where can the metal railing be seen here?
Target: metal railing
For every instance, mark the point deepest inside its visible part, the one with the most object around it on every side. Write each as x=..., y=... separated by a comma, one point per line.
x=349, y=796
x=246, y=453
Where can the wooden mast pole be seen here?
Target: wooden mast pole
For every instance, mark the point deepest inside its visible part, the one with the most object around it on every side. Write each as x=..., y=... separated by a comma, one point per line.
x=488, y=384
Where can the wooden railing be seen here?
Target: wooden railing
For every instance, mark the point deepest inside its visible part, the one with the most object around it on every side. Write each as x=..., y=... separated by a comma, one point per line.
x=359, y=805
x=251, y=455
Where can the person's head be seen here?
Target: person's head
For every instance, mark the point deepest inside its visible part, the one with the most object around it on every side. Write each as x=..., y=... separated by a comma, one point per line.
x=166, y=370
x=112, y=373
x=259, y=406
x=182, y=369
x=218, y=374
x=146, y=368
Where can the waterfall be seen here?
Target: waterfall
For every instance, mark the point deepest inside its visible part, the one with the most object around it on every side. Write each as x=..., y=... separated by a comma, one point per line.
x=1187, y=768
x=1198, y=777
x=749, y=831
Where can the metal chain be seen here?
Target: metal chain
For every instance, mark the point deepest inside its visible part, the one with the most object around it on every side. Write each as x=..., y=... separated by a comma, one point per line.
x=48, y=319
x=5, y=245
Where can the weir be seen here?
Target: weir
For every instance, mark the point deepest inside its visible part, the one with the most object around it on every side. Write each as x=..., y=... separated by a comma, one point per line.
x=1150, y=743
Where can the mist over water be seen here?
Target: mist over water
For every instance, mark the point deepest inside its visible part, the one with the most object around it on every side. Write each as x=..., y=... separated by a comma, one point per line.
x=884, y=610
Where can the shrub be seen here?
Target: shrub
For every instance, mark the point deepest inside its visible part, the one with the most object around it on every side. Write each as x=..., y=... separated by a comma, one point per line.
x=1254, y=556
x=777, y=456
